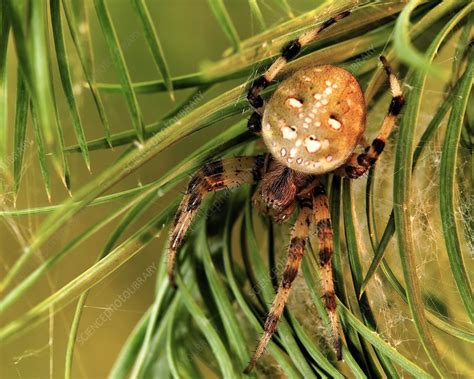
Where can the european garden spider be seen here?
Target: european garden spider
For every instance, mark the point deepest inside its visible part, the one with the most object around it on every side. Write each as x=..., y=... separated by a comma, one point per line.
x=311, y=125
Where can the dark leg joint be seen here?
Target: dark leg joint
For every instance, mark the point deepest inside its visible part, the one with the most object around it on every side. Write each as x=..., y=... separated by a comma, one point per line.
x=213, y=168
x=289, y=275
x=378, y=145
x=319, y=190
x=253, y=96
x=217, y=185
x=297, y=246
x=386, y=66
x=396, y=105
x=255, y=123
x=365, y=160
x=342, y=15
x=352, y=172
x=325, y=255
x=361, y=159
x=257, y=169
x=291, y=50
x=271, y=323
x=195, y=182
x=255, y=101
x=325, y=223
x=194, y=202
x=324, y=229
x=334, y=19
x=329, y=301
x=306, y=203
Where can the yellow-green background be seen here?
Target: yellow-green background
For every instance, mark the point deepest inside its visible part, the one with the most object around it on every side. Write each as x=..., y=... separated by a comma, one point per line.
x=190, y=37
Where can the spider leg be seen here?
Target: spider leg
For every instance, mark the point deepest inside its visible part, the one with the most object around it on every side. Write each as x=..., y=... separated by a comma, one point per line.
x=324, y=232
x=299, y=236
x=289, y=51
x=358, y=164
x=211, y=177
x=254, y=123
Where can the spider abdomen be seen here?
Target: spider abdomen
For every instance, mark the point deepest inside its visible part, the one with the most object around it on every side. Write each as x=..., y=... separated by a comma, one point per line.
x=314, y=120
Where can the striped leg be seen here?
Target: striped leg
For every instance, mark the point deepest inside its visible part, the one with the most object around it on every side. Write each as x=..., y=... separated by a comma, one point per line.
x=324, y=232
x=210, y=178
x=358, y=164
x=289, y=51
x=299, y=236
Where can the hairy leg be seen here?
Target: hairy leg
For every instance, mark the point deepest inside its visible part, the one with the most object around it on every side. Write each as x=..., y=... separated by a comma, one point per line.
x=254, y=123
x=358, y=164
x=211, y=177
x=289, y=51
x=299, y=236
x=322, y=220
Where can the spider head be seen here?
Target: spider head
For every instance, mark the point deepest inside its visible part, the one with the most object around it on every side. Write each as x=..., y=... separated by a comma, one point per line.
x=314, y=120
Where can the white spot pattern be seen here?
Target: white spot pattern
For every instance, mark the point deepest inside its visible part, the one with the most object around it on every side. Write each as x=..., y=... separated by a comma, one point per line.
x=288, y=133
x=333, y=123
x=294, y=103
x=312, y=144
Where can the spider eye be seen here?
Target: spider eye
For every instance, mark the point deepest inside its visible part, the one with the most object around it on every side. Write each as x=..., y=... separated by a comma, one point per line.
x=334, y=123
x=293, y=128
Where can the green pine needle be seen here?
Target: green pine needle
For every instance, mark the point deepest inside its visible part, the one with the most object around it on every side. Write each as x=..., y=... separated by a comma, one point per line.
x=413, y=202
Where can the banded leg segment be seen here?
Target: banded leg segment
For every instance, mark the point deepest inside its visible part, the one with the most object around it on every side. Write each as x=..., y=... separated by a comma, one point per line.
x=254, y=123
x=289, y=51
x=296, y=248
x=358, y=164
x=324, y=233
x=211, y=177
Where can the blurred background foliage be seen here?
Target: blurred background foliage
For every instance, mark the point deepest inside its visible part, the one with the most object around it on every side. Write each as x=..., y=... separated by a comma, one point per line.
x=107, y=107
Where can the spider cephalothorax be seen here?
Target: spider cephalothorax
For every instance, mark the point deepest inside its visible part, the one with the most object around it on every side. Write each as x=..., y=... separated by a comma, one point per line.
x=311, y=125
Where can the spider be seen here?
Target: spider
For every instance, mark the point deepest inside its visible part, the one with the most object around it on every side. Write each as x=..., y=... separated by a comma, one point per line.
x=311, y=126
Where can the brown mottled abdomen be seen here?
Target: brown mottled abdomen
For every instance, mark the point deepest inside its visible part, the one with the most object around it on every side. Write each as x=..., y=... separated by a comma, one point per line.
x=314, y=120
